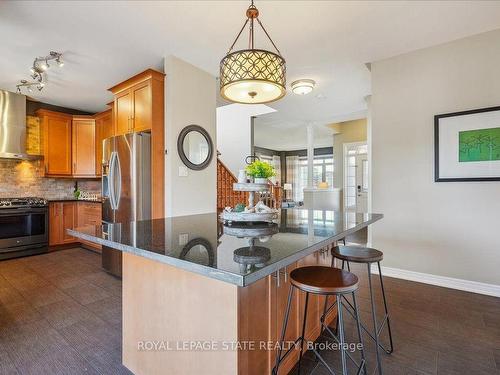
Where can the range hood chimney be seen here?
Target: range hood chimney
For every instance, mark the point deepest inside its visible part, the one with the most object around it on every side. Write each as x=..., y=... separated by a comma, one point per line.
x=13, y=127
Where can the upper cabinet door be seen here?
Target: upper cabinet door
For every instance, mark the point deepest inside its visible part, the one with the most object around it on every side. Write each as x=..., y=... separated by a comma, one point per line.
x=123, y=113
x=141, y=98
x=57, y=143
x=103, y=130
x=83, y=147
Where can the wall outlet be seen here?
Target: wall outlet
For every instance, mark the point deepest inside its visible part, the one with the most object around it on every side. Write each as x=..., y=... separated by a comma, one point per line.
x=183, y=171
x=183, y=239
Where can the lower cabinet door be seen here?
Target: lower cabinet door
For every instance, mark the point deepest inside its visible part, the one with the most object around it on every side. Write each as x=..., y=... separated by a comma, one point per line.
x=62, y=216
x=69, y=220
x=55, y=223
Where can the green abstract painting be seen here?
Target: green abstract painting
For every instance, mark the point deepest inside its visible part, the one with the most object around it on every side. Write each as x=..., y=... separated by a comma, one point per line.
x=479, y=145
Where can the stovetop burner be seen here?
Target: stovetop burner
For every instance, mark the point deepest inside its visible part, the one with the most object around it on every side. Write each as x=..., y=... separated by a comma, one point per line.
x=22, y=202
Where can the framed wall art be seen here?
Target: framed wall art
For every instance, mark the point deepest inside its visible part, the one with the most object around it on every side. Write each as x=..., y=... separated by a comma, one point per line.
x=467, y=145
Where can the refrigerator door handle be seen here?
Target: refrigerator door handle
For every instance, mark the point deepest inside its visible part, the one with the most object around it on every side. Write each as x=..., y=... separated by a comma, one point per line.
x=111, y=180
x=118, y=192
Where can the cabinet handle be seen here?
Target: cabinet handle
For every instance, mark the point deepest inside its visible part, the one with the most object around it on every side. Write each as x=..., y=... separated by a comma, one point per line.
x=47, y=168
x=278, y=277
x=74, y=167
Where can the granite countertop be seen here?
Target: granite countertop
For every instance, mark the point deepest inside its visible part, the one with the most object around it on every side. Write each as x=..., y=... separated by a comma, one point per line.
x=237, y=254
x=73, y=200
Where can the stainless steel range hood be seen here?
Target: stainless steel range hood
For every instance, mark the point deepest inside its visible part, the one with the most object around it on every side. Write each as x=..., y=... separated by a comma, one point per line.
x=13, y=127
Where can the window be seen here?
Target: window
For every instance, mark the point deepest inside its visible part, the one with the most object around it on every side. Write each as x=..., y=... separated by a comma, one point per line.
x=322, y=171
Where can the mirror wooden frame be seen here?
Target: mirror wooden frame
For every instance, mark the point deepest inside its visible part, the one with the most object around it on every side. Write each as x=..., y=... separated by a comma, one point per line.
x=180, y=147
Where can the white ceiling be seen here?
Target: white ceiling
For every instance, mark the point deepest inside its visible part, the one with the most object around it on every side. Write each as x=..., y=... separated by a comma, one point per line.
x=329, y=41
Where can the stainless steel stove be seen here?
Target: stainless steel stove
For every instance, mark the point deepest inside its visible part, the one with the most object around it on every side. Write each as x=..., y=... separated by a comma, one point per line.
x=24, y=227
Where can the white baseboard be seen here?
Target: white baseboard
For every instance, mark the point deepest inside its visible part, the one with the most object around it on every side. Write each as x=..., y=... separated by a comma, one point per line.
x=447, y=282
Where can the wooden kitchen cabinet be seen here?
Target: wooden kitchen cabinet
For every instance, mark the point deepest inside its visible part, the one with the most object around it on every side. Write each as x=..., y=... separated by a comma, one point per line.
x=89, y=213
x=262, y=308
x=123, y=110
x=138, y=102
x=139, y=106
x=71, y=214
x=68, y=144
x=103, y=130
x=62, y=216
x=83, y=146
x=56, y=143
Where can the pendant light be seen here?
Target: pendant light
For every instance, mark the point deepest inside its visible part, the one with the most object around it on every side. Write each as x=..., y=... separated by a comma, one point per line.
x=252, y=76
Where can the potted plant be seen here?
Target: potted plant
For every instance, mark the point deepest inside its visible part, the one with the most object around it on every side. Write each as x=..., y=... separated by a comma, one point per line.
x=260, y=171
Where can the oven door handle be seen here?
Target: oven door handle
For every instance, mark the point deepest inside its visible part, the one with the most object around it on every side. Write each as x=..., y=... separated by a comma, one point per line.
x=22, y=211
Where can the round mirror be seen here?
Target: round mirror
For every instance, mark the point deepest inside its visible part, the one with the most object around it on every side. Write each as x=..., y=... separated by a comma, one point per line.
x=195, y=147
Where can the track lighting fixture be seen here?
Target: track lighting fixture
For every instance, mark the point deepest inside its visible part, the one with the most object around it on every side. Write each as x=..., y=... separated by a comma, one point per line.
x=29, y=86
x=39, y=67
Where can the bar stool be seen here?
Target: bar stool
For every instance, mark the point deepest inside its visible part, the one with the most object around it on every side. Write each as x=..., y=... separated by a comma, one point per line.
x=325, y=281
x=367, y=255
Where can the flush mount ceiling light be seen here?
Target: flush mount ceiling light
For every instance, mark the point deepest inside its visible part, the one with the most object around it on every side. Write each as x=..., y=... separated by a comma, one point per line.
x=252, y=76
x=39, y=67
x=303, y=86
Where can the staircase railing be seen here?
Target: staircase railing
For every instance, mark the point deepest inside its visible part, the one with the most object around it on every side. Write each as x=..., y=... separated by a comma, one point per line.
x=227, y=197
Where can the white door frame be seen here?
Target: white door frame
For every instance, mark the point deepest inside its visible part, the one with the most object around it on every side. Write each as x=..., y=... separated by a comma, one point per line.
x=346, y=146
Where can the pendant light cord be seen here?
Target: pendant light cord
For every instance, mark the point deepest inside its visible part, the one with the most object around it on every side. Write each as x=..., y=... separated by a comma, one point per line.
x=265, y=31
x=251, y=35
x=238, y=36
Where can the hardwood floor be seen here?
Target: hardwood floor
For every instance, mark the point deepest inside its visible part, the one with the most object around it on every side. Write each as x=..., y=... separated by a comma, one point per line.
x=61, y=314
x=435, y=330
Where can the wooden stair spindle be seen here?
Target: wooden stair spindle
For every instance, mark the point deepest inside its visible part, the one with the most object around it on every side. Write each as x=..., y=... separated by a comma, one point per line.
x=227, y=197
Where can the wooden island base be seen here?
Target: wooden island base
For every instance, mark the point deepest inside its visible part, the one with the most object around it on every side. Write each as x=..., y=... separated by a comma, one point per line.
x=166, y=310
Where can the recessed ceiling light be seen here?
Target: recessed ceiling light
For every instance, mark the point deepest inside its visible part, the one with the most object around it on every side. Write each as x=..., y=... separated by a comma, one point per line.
x=303, y=86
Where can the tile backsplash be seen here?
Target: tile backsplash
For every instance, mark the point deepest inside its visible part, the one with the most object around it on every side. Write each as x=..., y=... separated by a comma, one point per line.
x=20, y=178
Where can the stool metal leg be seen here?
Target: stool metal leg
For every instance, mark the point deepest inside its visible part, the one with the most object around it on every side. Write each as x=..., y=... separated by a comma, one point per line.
x=341, y=335
x=360, y=336
x=374, y=317
x=303, y=338
x=386, y=310
x=283, y=330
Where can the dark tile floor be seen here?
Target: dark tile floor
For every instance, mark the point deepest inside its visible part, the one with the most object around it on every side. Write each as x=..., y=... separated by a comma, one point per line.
x=61, y=314
x=435, y=330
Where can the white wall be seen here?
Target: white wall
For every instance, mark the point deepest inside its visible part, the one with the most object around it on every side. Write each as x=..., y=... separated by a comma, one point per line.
x=448, y=229
x=234, y=133
x=189, y=99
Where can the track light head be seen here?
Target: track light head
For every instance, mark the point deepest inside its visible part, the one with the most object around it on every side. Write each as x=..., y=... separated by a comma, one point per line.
x=44, y=66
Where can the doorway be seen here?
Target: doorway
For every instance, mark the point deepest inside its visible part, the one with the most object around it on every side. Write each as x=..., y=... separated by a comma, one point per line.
x=356, y=176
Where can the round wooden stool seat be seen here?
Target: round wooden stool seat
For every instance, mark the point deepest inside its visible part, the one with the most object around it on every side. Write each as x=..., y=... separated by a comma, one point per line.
x=358, y=254
x=323, y=280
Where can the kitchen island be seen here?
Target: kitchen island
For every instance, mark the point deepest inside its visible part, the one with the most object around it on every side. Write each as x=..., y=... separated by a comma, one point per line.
x=200, y=297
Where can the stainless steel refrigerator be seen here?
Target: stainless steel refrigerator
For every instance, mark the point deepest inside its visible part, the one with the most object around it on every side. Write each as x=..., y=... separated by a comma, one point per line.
x=126, y=187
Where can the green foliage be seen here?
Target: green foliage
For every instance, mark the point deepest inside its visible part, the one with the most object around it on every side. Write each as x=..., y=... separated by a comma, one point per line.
x=240, y=207
x=260, y=169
